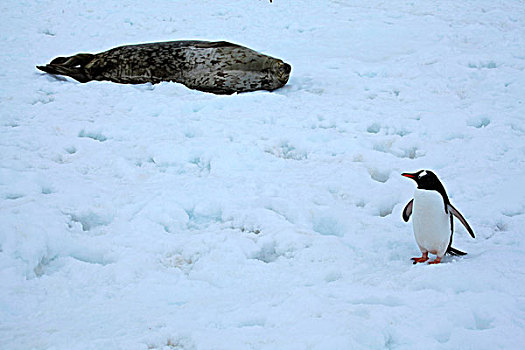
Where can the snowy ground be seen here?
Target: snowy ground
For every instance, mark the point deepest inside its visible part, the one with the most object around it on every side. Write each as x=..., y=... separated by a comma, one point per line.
x=156, y=217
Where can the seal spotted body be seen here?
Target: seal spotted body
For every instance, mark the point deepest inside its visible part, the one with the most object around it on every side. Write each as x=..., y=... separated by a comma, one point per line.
x=218, y=67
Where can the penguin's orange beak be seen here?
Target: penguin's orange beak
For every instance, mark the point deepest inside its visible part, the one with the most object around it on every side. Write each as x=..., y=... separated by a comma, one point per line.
x=412, y=176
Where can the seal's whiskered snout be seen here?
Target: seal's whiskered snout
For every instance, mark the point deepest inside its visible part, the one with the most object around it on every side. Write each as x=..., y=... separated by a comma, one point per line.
x=282, y=71
x=287, y=68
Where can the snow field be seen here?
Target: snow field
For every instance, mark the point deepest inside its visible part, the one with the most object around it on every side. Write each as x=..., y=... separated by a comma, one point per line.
x=156, y=217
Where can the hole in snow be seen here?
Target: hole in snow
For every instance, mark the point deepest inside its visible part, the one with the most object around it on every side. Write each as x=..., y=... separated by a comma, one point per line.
x=385, y=211
x=97, y=136
x=255, y=231
x=89, y=221
x=180, y=343
x=43, y=266
x=328, y=226
x=199, y=217
x=374, y=128
x=48, y=32
x=483, y=65
x=383, y=146
x=360, y=203
x=512, y=212
x=443, y=337
x=333, y=276
x=378, y=175
x=71, y=150
x=389, y=342
x=410, y=153
x=267, y=254
x=13, y=196
x=178, y=261
x=287, y=151
x=482, y=323
x=501, y=226
x=253, y=322
x=479, y=122
x=202, y=164
x=47, y=190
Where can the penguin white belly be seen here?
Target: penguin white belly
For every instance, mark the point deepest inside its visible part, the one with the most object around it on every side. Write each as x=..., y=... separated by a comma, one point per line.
x=431, y=223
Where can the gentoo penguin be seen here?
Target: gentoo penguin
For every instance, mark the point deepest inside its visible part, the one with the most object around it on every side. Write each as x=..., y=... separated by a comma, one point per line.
x=433, y=217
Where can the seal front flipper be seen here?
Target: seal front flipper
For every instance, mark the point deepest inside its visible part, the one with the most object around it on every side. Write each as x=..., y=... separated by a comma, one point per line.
x=408, y=210
x=460, y=217
x=73, y=66
x=227, y=82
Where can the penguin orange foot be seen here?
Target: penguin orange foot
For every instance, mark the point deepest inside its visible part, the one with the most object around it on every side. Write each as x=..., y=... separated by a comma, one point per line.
x=435, y=261
x=423, y=258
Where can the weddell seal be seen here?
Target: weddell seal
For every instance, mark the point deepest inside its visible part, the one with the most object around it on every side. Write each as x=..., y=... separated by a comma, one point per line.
x=218, y=67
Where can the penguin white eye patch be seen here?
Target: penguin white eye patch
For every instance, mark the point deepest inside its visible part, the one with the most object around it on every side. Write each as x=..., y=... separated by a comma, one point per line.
x=424, y=173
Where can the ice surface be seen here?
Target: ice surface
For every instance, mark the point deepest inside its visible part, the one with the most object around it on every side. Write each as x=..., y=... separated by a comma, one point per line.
x=157, y=217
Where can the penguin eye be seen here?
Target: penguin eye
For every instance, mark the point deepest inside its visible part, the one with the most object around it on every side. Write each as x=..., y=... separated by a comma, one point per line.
x=424, y=173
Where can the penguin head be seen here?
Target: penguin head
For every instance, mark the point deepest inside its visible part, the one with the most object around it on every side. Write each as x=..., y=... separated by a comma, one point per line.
x=425, y=180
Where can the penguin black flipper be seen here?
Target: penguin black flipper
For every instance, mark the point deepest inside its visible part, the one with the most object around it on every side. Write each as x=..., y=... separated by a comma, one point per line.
x=454, y=251
x=451, y=250
x=460, y=217
x=408, y=210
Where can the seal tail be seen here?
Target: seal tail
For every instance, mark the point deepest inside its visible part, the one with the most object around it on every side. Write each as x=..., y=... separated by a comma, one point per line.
x=71, y=66
x=455, y=252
